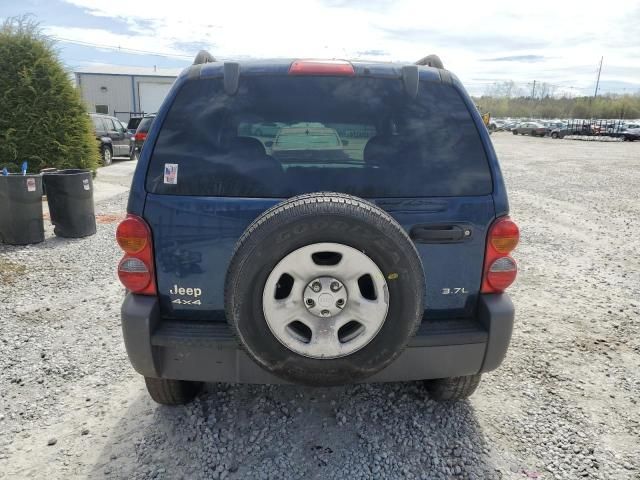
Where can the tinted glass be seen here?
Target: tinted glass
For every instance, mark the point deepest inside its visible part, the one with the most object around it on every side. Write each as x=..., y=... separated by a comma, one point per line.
x=111, y=125
x=281, y=136
x=133, y=123
x=145, y=124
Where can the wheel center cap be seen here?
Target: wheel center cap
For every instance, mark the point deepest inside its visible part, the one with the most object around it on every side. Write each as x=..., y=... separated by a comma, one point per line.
x=325, y=299
x=325, y=296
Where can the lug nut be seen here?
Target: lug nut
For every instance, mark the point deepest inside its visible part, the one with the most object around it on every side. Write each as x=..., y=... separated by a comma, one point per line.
x=325, y=313
x=335, y=286
x=340, y=303
x=310, y=302
x=316, y=287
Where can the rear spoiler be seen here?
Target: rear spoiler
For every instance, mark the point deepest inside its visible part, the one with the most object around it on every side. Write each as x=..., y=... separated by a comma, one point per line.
x=410, y=75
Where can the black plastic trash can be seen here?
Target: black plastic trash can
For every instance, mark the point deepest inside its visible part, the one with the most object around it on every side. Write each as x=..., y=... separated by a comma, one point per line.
x=21, y=220
x=70, y=199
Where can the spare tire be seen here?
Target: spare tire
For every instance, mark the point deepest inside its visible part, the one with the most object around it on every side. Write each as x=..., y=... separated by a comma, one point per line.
x=324, y=289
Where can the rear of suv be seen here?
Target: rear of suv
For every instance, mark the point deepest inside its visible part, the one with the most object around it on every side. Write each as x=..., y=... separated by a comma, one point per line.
x=319, y=223
x=140, y=135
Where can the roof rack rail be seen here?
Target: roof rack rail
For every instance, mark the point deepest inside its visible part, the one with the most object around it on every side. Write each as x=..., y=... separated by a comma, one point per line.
x=431, y=61
x=203, y=57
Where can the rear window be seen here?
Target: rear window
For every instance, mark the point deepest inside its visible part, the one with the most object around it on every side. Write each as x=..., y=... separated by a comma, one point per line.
x=145, y=124
x=281, y=136
x=133, y=123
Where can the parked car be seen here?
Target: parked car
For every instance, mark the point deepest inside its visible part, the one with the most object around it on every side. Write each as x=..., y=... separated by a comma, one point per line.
x=572, y=128
x=499, y=125
x=631, y=134
x=509, y=126
x=553, y=125
x=112, y=137
x=267, y=129
x=243, y=266
x=530, y=128
x=140, y=136
x=133, y=123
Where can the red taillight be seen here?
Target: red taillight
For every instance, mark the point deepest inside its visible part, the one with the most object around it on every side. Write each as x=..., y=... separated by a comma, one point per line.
x=502, y=273
x=134, y=274
x=504, y=235
x=132, y=234
x=500, y=269
x=140, y=136
x=136, y=267
x=340, y=68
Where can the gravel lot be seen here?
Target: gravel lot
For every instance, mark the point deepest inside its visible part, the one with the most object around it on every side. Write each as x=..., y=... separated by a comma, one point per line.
x=564, y=404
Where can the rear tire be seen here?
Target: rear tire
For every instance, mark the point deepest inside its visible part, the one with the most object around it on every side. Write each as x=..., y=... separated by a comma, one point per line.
x=554, y=135
x=135, y=156
x=172, y=392
x=454, y=388
x=514, y=132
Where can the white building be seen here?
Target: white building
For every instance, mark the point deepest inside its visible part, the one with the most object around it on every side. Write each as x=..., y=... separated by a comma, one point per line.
x=123, y=91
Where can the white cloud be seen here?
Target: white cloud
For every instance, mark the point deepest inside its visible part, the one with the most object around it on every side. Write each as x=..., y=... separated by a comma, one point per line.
x=570, y=40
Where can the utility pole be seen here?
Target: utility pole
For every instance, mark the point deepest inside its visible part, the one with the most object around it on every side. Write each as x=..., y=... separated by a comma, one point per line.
x=533, y=93
x=598, y=80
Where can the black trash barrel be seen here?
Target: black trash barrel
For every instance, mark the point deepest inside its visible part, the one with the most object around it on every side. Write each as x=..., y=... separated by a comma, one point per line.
x=21, y=220
x=70, y=199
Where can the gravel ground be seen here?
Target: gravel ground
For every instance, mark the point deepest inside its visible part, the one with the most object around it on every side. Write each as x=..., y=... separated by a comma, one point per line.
x=564, y=404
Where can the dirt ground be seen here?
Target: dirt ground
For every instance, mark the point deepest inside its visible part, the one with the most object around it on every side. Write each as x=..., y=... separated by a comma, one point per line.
x=563, y=405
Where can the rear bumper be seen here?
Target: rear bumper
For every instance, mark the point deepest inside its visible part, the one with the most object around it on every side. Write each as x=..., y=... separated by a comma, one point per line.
x=208, y=351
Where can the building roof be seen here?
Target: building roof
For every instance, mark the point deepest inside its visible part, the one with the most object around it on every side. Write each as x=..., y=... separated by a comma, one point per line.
x=124, y=70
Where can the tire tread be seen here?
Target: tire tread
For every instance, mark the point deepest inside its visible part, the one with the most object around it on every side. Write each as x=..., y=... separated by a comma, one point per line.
x=171, y=392
x=453, y=388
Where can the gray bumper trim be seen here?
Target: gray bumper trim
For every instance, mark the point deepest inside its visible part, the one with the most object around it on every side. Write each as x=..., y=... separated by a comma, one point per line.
x=496, y=313
x=208, y=351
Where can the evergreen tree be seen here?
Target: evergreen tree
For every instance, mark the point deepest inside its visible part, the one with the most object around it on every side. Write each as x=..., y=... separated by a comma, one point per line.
x=42, y=117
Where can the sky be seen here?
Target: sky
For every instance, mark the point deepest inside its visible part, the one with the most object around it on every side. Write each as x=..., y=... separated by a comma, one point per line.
x=485, y=43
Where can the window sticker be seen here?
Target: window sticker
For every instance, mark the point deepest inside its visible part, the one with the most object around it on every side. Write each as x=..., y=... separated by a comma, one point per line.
x=171, y=173
x=31, y=184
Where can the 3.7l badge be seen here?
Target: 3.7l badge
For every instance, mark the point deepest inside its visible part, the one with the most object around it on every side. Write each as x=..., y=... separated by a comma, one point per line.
x=454, y=291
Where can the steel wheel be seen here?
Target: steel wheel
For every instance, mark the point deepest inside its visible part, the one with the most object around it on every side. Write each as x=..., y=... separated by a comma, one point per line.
x=325, y=300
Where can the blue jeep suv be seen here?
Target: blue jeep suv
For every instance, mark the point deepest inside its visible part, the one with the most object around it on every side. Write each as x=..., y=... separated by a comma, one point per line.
x=317, y=222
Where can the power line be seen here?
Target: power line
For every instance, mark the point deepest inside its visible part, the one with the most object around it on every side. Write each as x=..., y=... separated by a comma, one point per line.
x=119, y=48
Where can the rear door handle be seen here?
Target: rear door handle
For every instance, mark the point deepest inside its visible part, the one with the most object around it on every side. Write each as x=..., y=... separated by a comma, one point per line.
x=441, y=233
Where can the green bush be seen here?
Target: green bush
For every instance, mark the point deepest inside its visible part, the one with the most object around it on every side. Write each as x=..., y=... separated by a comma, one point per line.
x=42, y=117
